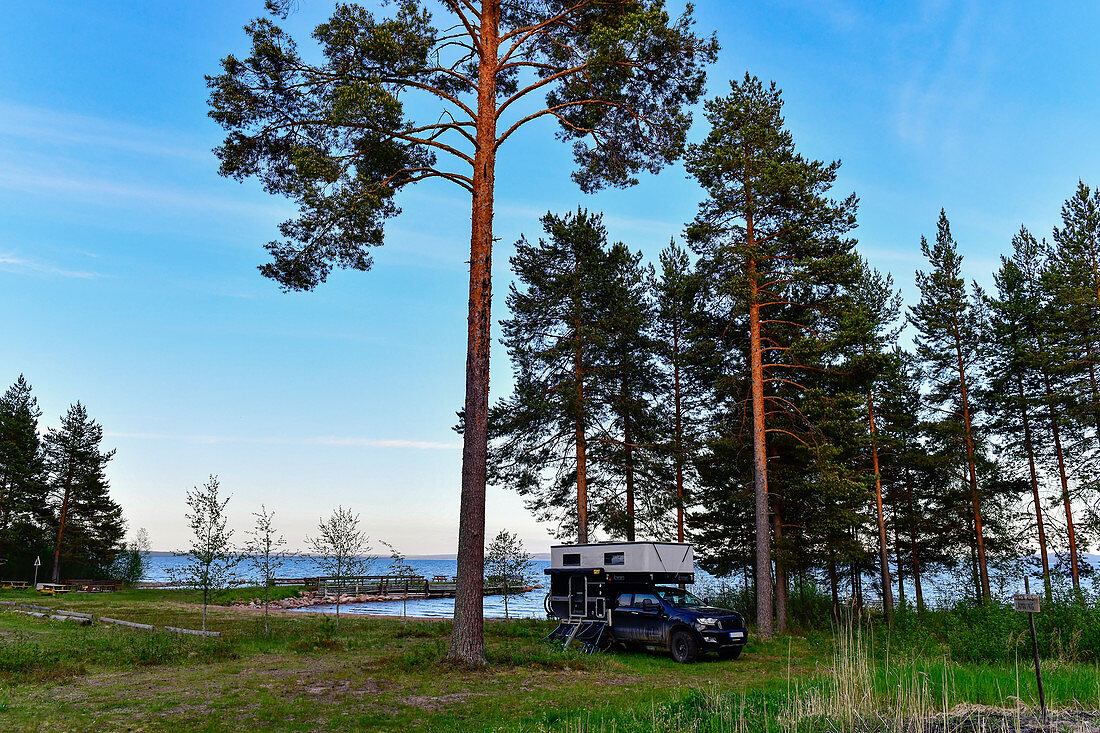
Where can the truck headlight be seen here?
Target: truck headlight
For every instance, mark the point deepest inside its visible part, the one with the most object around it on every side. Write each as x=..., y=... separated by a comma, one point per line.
x=706, y=621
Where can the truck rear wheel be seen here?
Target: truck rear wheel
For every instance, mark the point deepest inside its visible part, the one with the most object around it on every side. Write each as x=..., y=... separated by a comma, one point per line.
x=684, y=647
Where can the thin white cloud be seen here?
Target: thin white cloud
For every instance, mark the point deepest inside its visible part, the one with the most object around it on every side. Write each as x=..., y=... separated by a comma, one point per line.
x=53, y=127
x=324, y=440
x=22, y=266
x=109, y=192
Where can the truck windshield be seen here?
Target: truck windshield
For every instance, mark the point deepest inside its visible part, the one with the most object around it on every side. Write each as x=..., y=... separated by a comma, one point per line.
x=679, y=598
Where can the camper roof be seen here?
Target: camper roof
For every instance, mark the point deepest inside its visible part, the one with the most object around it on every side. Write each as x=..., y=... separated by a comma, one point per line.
x=621, y=558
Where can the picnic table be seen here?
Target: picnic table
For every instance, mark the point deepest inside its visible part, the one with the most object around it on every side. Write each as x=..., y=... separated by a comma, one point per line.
x=52, y=589
x=14, y=584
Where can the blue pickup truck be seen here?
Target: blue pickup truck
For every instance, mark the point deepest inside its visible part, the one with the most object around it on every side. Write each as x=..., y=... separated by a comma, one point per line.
x=661, y=617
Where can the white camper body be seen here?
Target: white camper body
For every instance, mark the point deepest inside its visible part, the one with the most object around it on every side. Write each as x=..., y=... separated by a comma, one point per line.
x=617, y=558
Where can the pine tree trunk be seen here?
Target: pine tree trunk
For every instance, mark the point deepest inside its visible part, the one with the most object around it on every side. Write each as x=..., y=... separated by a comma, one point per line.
x=913, y=542
x=468, y=632
x=976, y=572
x=884, y=560
x=1029, y=449
x=975, y=500
x=55, y=576
x=1064, y=479
x=1091, y=356
x=897, y=558
x=679, y=438
x=780, y=578
x=578, y=413
x=582, y=458
x=627, y=440
x=834, y=590
x=760, y=466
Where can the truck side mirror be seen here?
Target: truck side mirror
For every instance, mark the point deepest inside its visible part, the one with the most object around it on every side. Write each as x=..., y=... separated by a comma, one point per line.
x=648, y=605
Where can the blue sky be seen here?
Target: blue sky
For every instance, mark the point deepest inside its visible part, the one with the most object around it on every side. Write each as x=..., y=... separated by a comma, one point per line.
x=127, y=266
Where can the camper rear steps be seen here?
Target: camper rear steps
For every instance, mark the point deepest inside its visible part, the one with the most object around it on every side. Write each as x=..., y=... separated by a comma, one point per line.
x=592, y=635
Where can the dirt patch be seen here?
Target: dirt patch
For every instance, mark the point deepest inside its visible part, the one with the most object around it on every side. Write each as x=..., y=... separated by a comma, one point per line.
x=438, y=702
x=343, y=688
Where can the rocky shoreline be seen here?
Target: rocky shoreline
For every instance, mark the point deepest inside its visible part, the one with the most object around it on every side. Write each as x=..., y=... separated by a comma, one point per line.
x=307, y=598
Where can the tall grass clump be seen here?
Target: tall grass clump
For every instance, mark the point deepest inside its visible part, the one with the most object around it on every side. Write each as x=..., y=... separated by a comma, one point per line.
x=865, y=687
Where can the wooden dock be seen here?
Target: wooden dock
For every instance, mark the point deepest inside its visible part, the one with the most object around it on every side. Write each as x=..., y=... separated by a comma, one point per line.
x=397, y=586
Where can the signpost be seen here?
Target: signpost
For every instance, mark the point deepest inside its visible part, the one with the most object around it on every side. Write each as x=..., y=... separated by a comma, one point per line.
x=1028, y=603
x=37, y=563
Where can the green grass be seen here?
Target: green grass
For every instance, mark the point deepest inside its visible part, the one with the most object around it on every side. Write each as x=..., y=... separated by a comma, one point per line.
x=380, y=673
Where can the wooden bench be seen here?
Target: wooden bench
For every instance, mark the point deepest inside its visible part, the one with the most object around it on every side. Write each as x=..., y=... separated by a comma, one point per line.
x=93, y=586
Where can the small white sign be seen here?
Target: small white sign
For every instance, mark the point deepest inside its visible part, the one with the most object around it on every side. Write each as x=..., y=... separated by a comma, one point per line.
x=1026, y=602
x=37, y=561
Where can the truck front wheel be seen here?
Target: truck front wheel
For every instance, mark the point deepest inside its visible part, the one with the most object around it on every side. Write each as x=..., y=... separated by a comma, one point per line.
x=684, y=647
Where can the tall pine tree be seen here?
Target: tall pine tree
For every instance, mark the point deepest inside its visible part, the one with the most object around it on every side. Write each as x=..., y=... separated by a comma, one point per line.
x=950, y=327
x=22, y=484
x=87, y=522
x=766, y=232
x=566, y=304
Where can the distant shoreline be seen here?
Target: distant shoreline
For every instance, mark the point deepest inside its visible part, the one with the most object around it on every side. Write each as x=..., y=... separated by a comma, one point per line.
x=544, y=556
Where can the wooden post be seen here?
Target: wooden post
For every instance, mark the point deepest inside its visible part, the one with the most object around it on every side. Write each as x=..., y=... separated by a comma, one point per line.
x=1030, y=604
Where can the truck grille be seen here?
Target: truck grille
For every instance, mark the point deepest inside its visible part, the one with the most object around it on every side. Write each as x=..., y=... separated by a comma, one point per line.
x=730, y=623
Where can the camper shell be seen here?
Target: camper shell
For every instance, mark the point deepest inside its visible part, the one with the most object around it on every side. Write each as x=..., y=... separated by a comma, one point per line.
x=583, y=577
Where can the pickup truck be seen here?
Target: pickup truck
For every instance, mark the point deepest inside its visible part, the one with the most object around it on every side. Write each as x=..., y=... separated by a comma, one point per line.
x=673, y=619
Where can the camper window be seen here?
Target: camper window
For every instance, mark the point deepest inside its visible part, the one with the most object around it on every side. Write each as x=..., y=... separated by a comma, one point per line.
x=571, y=559
x=614, y=558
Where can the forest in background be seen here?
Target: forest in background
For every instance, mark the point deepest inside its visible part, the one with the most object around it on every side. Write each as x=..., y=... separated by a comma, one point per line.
x=764, y=393
x=55, y=502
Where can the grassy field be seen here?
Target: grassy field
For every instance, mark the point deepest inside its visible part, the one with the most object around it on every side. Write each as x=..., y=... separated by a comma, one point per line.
x=380, y=673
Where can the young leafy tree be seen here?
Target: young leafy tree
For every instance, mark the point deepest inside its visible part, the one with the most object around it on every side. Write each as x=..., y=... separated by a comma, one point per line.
x=767, y=234
x=341, y=549
x=399, y=566
x=89, y=525
x=22, y=472
x=335, y=135
x=508, y=563
x=266, y=553
x=132, y=562
x=950, y=326
x=211, y=555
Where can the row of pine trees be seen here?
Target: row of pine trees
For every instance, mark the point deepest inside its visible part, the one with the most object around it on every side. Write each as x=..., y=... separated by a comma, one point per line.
x=54, y=494
x=763, y=392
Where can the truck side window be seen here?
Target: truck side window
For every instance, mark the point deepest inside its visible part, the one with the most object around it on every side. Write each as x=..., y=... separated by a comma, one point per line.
x=614, y=558
x=571, y=559
x=639, y=598
x=625, y=600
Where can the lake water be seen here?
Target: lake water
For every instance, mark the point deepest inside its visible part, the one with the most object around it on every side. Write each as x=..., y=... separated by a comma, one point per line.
x=939, y=590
